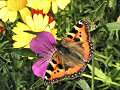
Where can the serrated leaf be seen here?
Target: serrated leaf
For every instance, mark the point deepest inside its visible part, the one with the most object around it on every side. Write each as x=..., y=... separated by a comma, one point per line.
x=113, y=26
x=98, y=72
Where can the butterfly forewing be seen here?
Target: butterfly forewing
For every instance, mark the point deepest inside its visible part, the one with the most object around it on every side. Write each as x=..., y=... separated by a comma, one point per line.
x=80, y=41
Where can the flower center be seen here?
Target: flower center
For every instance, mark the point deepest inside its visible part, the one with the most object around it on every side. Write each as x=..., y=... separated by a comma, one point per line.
x=16, y=5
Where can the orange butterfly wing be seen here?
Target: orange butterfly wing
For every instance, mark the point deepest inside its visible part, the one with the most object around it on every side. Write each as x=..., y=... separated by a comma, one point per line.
x=79, y=39
x=57, y=70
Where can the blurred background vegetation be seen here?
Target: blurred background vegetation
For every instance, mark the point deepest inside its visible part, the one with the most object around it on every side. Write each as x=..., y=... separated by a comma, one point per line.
x=104, y=19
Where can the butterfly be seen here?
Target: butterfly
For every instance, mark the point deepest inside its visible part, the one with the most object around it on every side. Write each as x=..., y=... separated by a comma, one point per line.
x=63, y=60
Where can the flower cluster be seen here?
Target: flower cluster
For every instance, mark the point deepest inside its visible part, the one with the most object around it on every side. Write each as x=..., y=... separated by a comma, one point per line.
x=35, y=16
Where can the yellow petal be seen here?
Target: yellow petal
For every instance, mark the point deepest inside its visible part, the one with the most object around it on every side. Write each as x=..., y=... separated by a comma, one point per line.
x=36, y=22
x=54, y=32
x=24, y=12
x=29, y=22
x=46, y=6
x=3, y=12
x=12, y=15
x=8, y=15
x=40, y=21
x=62, y=3
x=45, y=22
x=19, y=45
x=54, y=6
x=50, y=26
x=35, y=4
x=16, y=5
x=20, y=42
x=2, y=4
x=20, y=28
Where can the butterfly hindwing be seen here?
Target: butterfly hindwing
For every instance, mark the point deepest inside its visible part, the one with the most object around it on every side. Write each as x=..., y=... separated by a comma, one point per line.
x=58, y=70
x=55, y=70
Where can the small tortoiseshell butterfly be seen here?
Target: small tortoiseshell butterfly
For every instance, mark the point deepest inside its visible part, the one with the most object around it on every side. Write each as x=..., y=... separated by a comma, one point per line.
x=65, y=60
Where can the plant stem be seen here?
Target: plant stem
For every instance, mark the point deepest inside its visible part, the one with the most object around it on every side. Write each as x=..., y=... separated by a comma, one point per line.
x=92, y=74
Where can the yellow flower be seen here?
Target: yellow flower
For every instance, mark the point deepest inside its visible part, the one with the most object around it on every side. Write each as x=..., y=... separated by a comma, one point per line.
x=21, y=38
x=40, y=4
x=59, y=3
x=45, y=5
x=10, y=8
x=37, y=23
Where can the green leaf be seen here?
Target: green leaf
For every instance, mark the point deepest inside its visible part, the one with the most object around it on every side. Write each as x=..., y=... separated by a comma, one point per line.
x=3, y=44
x=50, y=87
x=37, y=83
x=84, y=85
x=112, y=3
x=3, y=83
x=24, y=52
x=114, y=26
x=98, y=72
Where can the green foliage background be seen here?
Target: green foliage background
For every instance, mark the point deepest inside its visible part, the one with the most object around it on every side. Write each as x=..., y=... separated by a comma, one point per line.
x=102, y=73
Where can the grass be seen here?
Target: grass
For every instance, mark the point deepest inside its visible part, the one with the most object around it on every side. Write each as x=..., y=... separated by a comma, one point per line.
x=15, y=66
